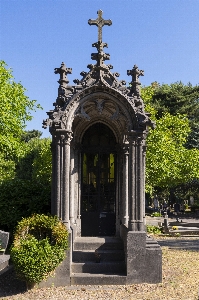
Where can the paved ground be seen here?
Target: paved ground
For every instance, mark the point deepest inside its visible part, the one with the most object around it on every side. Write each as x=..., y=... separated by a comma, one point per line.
x=184, y=242
x=172, y=218
x=181, y=243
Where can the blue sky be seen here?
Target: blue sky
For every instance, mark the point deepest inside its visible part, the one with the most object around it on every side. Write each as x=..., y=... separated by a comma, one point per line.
x=160, y=36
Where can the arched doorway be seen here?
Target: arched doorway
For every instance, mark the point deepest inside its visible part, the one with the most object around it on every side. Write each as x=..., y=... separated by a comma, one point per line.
x=98, y=192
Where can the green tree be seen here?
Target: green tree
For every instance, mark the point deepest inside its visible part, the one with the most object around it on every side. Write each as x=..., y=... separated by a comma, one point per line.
x=168, y=162
x=24, y=161
x=29, y=191
x=178, y=98
x=37, y=160
x=30, y=134
x=16, y=110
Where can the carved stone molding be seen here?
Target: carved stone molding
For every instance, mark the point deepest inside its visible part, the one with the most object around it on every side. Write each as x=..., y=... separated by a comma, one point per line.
x=67, y=137
x=81, y=113
x=62, y=136
x=116, y=113
x=126, y=149
x=99, y=105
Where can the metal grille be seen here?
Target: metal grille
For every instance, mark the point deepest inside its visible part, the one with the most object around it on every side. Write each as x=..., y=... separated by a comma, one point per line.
x=98, y=169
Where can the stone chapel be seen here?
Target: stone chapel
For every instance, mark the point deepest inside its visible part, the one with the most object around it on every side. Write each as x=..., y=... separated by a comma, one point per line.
x=99, y=128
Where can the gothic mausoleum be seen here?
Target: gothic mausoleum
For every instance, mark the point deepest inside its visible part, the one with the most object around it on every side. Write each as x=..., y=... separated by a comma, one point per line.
x=99, y=128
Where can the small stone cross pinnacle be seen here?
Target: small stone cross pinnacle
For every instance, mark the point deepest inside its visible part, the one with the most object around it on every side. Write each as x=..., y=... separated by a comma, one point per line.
x=135, y=73
x=100, y=22
x=63, y=71
x=135, y=83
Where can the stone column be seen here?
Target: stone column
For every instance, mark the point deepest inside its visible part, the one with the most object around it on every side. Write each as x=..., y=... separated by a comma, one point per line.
x=67, y=136
x=56, y=176
x=125, y=191
x=136, y=182
x=72, y=166
x=118, y=190
x=53, y=183
x=79, y=171
x=144, y=167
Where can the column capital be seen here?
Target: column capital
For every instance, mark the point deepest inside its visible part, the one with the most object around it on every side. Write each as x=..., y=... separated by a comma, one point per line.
x=126, y=148
x=144, y=149
x=63, y=135
x=137, y=137
x=67, y=137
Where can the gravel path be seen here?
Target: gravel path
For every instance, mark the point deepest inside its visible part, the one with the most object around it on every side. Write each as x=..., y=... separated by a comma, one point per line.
x=180, y=280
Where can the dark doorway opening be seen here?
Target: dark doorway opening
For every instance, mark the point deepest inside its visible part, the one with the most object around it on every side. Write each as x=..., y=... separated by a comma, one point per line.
x=98, y=193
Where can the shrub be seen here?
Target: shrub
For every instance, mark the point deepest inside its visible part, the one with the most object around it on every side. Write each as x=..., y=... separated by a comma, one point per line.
x=39, y=247
x=156, y=214
x=154, y=229
x=22, y=198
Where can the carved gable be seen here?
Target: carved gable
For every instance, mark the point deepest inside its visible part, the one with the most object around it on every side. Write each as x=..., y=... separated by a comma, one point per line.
x=99, y=96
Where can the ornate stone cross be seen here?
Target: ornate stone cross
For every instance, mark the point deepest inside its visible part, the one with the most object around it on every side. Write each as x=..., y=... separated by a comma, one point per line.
x=135, y=83
x=135, y=73
x=100, y=22
x=63, y=71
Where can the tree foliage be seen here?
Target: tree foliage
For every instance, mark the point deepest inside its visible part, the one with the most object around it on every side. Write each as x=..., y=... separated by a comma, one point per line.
x=168, y=162
x=16, y=110
x=25, y=160
x=30, y=134
x=29, y=191
x=21, y=198
x=178, y=98
x=36, y=162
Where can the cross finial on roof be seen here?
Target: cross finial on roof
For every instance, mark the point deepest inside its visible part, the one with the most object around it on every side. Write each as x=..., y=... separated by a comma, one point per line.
x=135, y=83
x=135, y=73
x=100, y=22
x=63, y=71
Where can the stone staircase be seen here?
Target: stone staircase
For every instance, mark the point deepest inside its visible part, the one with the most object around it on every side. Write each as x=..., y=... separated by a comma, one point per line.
x=98, y=260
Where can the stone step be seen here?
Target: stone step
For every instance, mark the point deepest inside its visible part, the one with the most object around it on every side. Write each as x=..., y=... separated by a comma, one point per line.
x=93, y=243
x=151, y=243
x=97, y=279
x=102, y=255
x=99, y=268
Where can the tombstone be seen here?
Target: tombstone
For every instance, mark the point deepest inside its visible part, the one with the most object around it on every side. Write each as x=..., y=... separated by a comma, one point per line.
x=99, y=128
x=176, y=207
x=165, y=205
x=186, y=202
x=4, y=238
x=156, y=203
x=4, y=258
x=191, y=200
